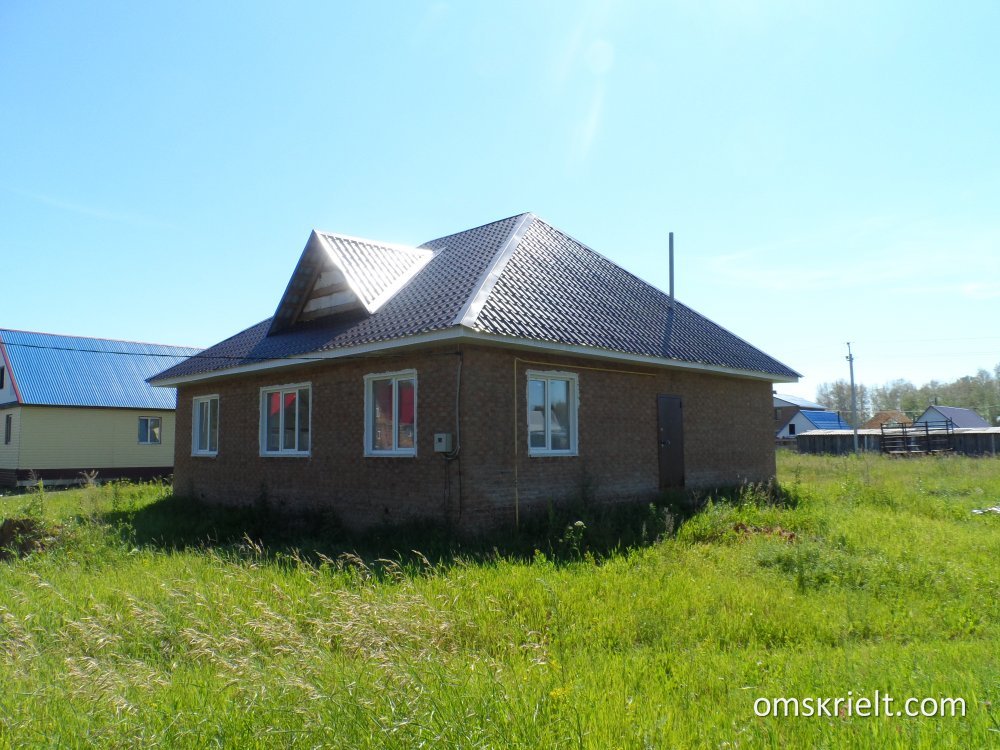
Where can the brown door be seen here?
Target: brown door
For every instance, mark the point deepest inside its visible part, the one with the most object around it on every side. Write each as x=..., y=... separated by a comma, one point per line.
x=670, y=434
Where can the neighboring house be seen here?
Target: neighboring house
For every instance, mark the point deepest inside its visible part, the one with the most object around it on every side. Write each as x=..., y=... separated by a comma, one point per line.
x=470, y=381
x=70, y=405
x=786, y=405
x=803, y=421
x=887, y=417
x=956, y=415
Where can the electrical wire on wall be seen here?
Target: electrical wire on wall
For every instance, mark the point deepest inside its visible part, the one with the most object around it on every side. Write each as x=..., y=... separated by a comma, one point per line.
x=452, y=455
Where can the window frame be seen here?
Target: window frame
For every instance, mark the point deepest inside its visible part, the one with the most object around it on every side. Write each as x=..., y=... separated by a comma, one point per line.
x=262, y=437
x=573, y=398
x=395, y=452
x=149, y=421
x=196, y=424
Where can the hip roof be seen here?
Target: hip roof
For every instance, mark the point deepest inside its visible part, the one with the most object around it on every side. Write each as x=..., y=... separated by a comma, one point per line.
x=518, y=280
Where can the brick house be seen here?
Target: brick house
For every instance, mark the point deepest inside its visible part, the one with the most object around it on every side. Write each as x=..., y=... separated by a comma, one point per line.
x=470, y=381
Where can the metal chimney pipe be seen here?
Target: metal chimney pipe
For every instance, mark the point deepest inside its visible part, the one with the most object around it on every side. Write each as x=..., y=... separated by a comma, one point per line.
x=671, y=269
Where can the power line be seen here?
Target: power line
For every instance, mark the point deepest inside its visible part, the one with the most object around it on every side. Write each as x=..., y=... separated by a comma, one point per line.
x=200, y=355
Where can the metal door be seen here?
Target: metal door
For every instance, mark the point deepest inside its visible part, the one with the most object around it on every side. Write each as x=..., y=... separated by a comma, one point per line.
x=670, y=433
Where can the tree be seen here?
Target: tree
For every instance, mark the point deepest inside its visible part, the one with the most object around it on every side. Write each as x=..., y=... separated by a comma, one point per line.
x=837, y=397
x=898, y=394
x=979, y=392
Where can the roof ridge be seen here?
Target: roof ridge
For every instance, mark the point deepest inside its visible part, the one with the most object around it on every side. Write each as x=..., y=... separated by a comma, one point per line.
x=481, y=226
x=484, y=284
x=95, y=338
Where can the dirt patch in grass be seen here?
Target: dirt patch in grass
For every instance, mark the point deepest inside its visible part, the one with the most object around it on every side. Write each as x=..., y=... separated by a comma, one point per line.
x=22, y=536
x=782, y=533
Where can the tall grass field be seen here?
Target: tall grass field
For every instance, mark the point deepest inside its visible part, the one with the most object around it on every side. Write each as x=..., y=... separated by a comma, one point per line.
x=130, y=618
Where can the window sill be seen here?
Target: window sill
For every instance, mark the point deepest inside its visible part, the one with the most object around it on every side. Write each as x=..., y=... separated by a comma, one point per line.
x=286, y=454
x=204, y=454
x=552, y=454
x=390, y=454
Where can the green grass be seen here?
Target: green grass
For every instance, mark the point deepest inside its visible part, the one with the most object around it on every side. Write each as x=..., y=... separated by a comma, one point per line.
x=152, y=621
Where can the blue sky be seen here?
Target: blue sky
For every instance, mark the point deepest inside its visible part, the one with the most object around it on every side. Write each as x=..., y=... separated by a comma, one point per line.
x=830, y=170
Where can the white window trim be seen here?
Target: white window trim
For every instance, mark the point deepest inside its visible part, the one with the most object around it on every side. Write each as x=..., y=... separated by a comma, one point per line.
x=148, y=441
x=370, y=451
x=574, y=399
x=262, y=442
x=194, y=423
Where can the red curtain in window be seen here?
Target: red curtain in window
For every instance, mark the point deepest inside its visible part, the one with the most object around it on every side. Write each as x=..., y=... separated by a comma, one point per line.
x=406, y=402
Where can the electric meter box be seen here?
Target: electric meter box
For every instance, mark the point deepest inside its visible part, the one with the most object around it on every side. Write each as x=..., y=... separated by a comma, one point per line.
x=442, y=442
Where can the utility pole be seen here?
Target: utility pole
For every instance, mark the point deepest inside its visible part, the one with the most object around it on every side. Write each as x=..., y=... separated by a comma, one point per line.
x=854, y=398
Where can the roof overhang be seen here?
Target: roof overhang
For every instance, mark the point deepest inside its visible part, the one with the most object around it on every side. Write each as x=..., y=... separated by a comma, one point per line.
x=463, y=335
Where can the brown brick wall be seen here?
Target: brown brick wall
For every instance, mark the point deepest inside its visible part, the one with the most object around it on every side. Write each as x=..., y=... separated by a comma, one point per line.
x=727, y=432
x=728, y=438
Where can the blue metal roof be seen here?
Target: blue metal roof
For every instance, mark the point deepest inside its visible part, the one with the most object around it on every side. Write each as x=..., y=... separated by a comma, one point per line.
x=825, y=420
x=54, y=370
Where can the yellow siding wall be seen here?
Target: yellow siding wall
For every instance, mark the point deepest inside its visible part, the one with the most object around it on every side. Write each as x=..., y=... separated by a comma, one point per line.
x=57, y=438
x=8, y=452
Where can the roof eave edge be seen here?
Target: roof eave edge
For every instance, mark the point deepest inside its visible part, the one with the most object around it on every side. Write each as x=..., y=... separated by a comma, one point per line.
x=10, y=372
x=276, y=326
x=464, y=334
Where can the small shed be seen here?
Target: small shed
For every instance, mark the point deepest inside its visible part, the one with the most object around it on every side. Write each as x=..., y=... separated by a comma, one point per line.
x=958, y=416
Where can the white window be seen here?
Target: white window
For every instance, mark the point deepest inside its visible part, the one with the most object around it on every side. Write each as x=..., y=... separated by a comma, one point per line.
x=552, y=407
x=205, y=426
x=391, y=414
x=285, y=413
x=149, y=430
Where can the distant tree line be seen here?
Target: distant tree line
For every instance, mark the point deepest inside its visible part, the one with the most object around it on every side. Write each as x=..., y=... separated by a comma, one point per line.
x=979, y=392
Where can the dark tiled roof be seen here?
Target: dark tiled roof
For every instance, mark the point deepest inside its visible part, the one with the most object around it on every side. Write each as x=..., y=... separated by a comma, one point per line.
x=431, y=301
x=556, y=289
x=517, y=277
